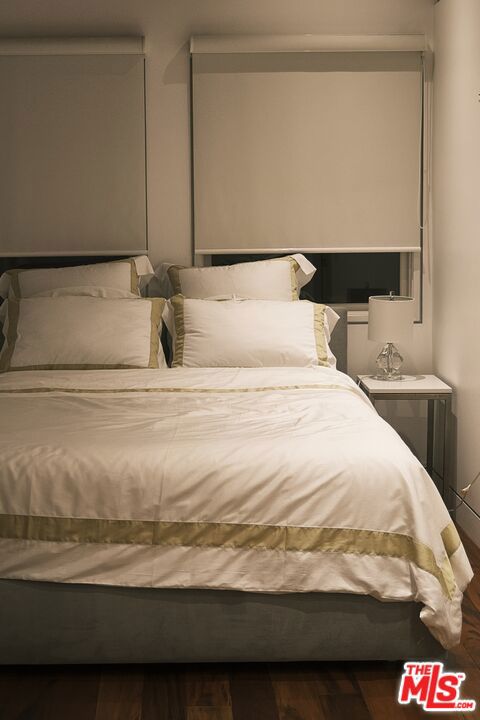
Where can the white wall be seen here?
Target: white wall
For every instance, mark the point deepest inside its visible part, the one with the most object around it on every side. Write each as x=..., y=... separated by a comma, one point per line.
x=167, y=26
x=457, y=229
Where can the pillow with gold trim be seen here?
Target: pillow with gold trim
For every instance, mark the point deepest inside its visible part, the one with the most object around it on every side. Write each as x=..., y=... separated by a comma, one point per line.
x=82, y=333
x=127, y=275
x=277, y=279
x=246, y=333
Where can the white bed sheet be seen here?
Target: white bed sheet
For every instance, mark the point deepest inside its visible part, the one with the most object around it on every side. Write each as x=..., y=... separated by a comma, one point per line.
x=268, y=480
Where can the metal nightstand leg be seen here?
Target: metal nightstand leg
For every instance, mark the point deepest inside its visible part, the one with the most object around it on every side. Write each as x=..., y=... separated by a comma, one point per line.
x=430, y=435
x=447, y=449
x=442, y=480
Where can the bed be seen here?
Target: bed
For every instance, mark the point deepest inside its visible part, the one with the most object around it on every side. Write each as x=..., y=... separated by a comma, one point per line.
x=252, y=514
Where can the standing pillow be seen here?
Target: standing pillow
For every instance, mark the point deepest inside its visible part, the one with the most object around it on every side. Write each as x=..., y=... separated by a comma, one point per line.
x=82, y=333
x=247, y=333
x=126, y=275
x=276, y=279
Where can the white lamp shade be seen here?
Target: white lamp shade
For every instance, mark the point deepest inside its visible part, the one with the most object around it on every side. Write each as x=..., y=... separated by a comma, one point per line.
x=390, y=318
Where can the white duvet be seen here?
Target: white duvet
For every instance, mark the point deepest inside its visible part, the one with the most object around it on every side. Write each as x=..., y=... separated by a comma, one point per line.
x=268, y=480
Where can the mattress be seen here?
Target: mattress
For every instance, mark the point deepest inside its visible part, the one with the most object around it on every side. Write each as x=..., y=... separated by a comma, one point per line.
x=257, y=480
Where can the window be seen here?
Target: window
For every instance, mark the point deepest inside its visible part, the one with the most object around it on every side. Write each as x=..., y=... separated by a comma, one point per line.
x=350, y=278
x=346, y=278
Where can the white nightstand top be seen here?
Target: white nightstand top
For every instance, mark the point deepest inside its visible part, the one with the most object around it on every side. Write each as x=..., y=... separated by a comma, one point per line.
x=411, y=385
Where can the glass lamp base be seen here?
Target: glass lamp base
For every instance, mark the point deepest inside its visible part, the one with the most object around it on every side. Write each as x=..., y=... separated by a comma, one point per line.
x=390, y=378
x=389, y=363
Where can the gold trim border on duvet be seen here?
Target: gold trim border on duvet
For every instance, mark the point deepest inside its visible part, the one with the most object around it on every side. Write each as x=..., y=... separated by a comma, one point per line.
x=190, y=390
x=451, y=539
x=234, y=535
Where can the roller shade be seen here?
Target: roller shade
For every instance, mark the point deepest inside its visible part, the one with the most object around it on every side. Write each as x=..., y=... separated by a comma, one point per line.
x=72, y=149
x=312, y=151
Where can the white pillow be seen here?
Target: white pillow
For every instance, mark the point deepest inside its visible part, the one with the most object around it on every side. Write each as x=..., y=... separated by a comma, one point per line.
x=247, y=333
x=82, y=333
x=127, y=275
x=277, y=279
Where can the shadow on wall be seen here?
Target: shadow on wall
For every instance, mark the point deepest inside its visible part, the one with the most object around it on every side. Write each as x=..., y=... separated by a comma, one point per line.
x=177, y=71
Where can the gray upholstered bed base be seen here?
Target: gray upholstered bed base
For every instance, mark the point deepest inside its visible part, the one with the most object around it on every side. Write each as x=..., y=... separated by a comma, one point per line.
x=45, y=623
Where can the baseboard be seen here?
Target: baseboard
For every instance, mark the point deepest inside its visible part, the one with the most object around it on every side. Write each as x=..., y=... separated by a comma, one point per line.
x=468, y=520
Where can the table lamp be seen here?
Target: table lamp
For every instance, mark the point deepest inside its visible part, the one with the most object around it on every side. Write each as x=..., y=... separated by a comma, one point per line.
x=390, y=320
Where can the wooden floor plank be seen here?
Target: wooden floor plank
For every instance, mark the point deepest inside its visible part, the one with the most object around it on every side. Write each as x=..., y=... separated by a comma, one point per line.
x=22, y=692
x=335, y=678
x=330, y=677
x=49, y=694
x=345, y=707
x=297, y=694
x=120, y=694
x=206, y=686
x=209, y=713
x=378, y=683
x=471, y=619
x=163, y=696
x=251, y=690
x=206, y=692
x=73, y=695
x=460, y=660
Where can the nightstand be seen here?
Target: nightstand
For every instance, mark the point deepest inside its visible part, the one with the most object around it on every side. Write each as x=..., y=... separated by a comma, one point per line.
x=435, y=392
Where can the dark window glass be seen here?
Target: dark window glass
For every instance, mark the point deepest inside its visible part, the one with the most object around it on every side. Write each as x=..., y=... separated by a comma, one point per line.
x=341, y=277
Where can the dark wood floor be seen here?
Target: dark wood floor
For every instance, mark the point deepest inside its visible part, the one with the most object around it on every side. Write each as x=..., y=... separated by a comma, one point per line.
x=315, y=691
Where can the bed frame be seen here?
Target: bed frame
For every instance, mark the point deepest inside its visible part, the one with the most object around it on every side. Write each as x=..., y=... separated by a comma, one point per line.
x=57, y=623
x=60, y=623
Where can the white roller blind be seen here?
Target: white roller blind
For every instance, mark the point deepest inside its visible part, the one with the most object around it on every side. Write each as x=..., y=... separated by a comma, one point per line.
x=72, y=154
x=307, y=151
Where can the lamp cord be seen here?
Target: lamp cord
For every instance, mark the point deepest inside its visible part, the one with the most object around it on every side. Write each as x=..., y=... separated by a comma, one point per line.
x=464, y=492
